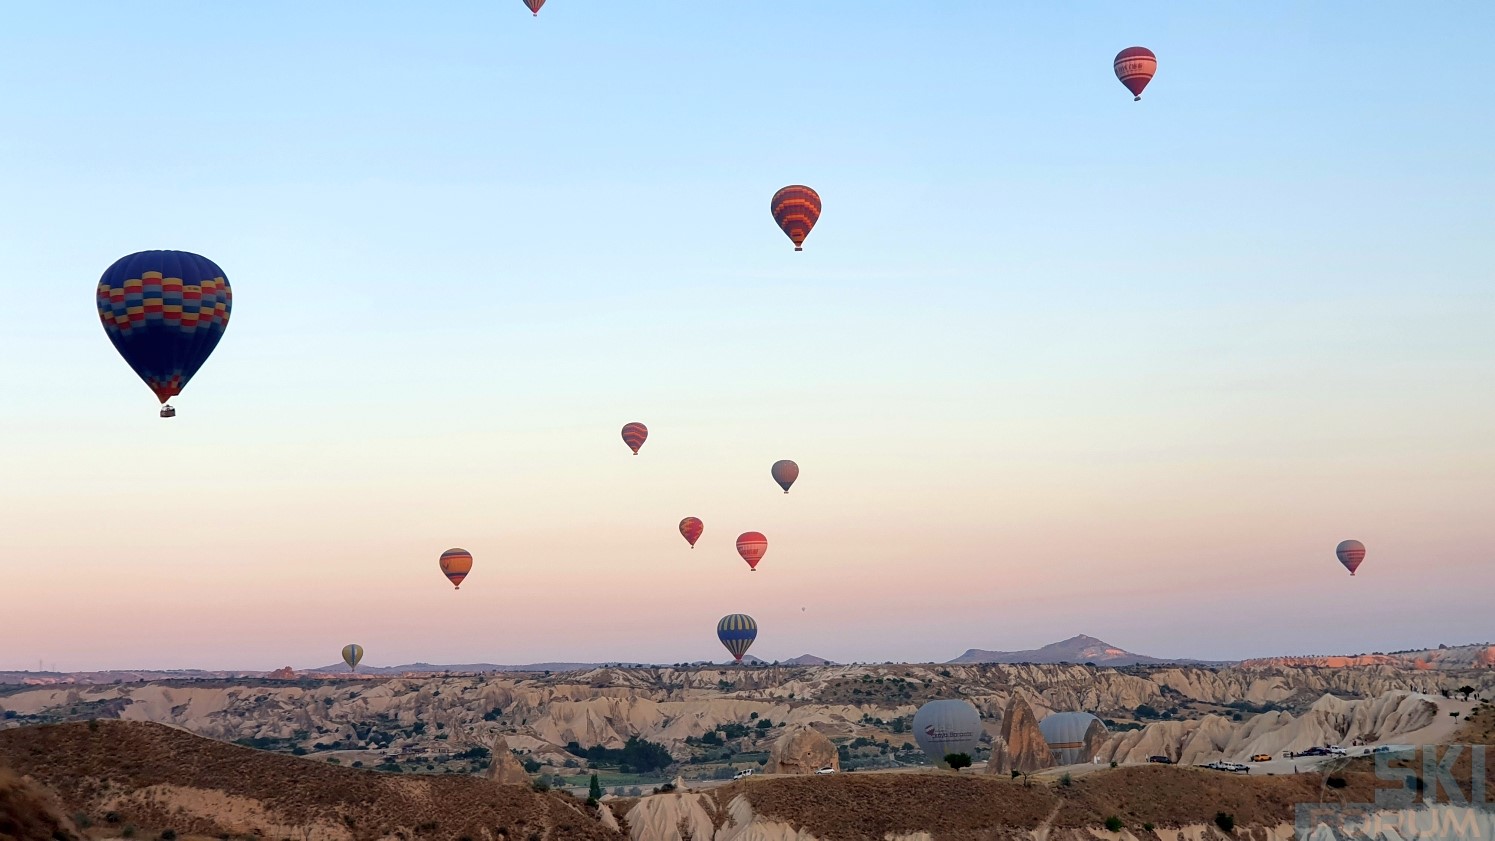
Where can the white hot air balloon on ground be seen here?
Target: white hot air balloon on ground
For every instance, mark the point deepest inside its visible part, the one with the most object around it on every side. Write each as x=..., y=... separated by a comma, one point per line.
x=1065, y=734
x=945, y=727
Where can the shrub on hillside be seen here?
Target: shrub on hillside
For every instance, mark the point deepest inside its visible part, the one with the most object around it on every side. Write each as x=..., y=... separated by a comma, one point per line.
x=1225, y=821
x=1113, y=824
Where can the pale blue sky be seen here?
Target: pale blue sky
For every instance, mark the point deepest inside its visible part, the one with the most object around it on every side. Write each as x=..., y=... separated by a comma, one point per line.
x=1086, y=364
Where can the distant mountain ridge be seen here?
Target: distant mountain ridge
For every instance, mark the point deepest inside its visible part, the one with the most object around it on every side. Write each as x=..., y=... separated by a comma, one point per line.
x=1076, y=649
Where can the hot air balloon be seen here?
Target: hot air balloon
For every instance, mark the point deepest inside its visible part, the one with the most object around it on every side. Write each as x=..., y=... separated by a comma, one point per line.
x=1134, y=67
x=1068, y=734
x=634, y=435
x=796, y=208
x=752, y=545
x=737, y=632
x=455, y=564
x=785, y=472
x=534, y=6
x=690, y=529
x=165, y=312
x=1351, y=553
x=945, y=727
x=352, y=653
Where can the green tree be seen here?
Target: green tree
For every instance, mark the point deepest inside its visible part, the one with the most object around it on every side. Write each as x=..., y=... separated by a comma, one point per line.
x=958, y=761
x=594, y=791
x=1113, y=823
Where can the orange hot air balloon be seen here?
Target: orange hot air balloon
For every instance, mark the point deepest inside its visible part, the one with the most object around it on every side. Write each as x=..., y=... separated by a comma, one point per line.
x=1134, y=67
x=752, y=546
x=785, y=472
x=634, y=435
x=690, y=529
x=534, y=6
x=796, y=208
x=455, y=564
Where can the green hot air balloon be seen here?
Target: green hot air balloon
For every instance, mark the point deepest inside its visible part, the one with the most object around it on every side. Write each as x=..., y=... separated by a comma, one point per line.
x=352, y=653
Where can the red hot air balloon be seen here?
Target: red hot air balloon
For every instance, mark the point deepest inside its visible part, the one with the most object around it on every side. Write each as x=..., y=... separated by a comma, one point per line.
x=752, y=545
x=1351, y=553
x=455, y=564
x=785, y=472
x=634, y=435
x=534, y=6
x=690, y=529
x=1135, y=67
x=796, y=208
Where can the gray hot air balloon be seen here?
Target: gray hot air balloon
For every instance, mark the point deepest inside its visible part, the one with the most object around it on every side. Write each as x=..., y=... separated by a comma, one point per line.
x=1066, y=734
x=946, y=727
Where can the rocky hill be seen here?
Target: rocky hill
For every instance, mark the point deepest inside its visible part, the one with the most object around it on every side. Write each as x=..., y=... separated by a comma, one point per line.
x=151, y=778
x=1077, y=649
x=715, y=720
x=1444, y=657
x=29, y=812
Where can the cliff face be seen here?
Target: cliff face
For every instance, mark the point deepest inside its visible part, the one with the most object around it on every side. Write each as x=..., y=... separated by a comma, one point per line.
x=369, y=719
x=1021, y=746
x=803, y=750
x=1330, y=721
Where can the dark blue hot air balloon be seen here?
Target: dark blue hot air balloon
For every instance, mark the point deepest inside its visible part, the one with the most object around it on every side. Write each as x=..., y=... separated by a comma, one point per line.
x=737, y=633
x=165, y=312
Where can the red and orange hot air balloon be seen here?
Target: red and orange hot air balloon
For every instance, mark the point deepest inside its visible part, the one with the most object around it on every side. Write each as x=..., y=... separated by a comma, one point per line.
x=752, y=545
x=1135, y=67
x=634, y=435
x=534, y=6
x=690, y=529
x=455, y=564
x=796, y=208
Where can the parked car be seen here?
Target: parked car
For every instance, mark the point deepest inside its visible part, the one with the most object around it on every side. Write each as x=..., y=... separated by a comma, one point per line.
x=1336, y=750
x=1314, y=752
x=1262, y=757
x=1162, y=760
x=744, y=773
x=826, y=770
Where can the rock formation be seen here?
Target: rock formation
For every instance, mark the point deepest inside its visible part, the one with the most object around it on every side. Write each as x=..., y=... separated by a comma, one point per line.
x=504, y=767
x=1021, y=746
x=282, y=673
x=1095, y=739
x=802, y=750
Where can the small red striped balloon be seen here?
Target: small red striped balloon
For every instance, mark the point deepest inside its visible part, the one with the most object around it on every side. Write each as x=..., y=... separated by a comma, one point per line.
x=796, y=208
x=752, y=546
x=534, y=6
x=1135, y=67
x=455, y=564
x=690, y=529
x=634, y=435
x=1351, y=553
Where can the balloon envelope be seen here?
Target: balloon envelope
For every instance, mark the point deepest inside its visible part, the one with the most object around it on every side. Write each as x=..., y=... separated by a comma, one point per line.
x=352, y=653
x=165, y=312
x=690, y=529
x=455, y=564
x=1351, y=553
x=534, y=6
x=1065, y=734
x=945, y=727
x=752, y=546
x=1135, y=67
x=634, y=435
x=737, y=632
x=796, y=208
x=785, y=472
